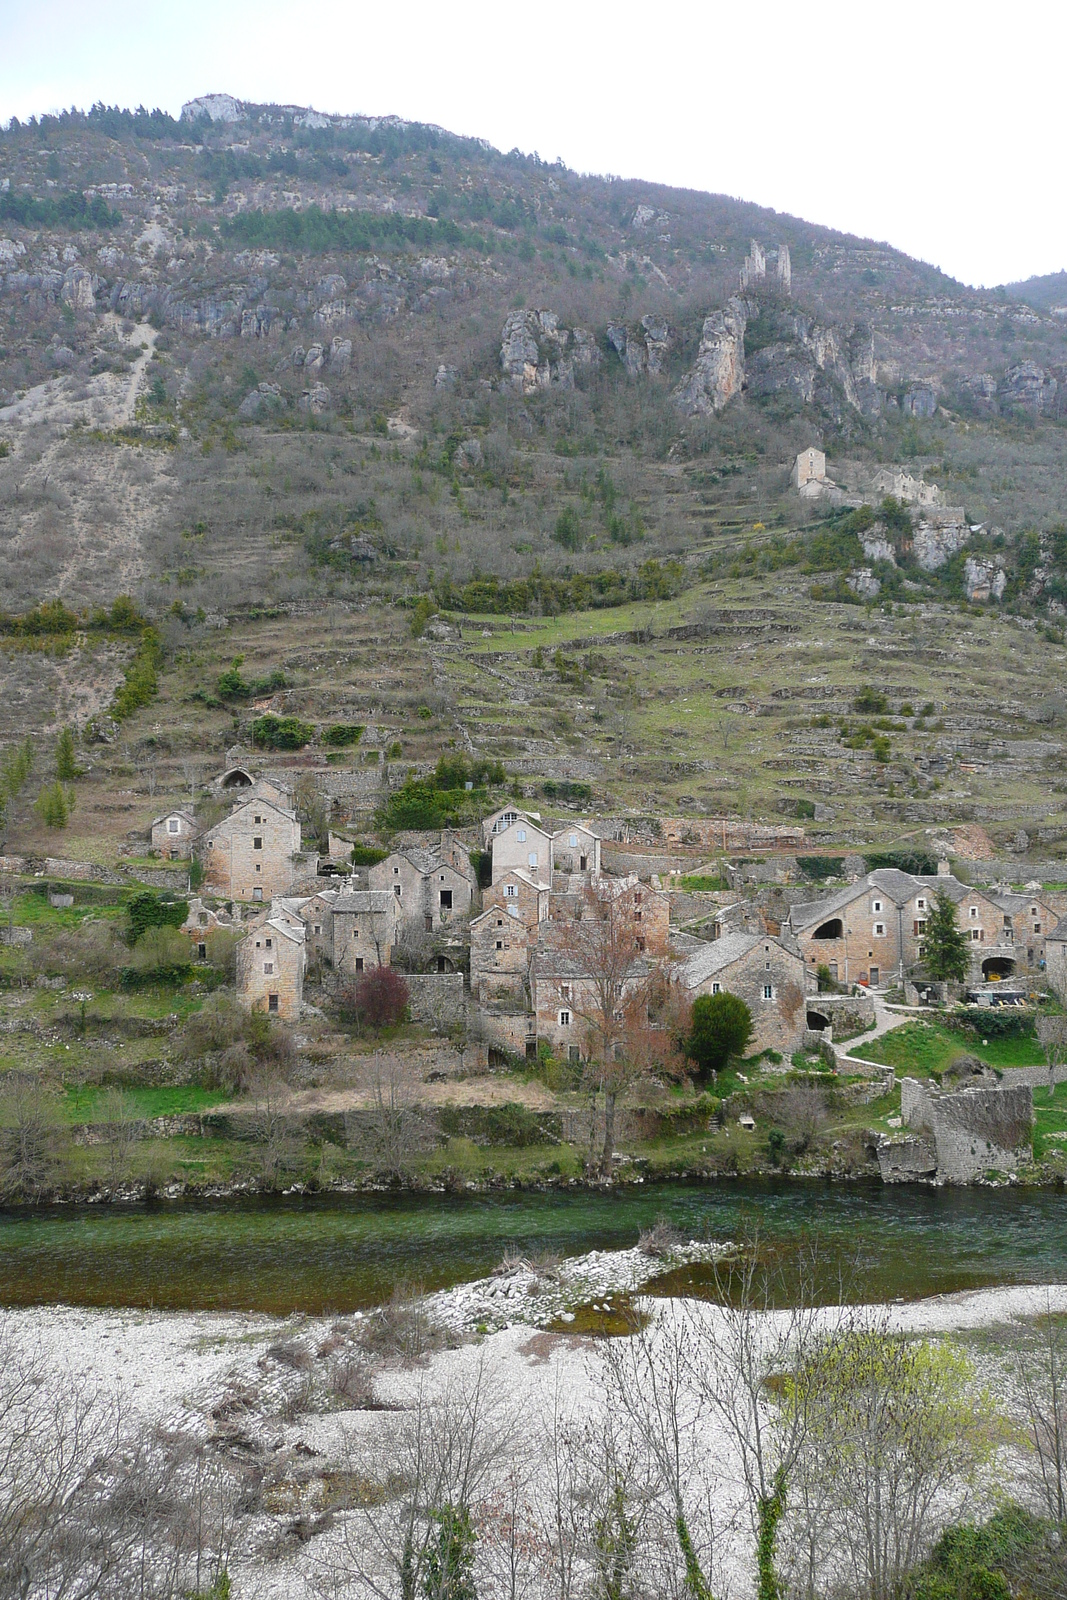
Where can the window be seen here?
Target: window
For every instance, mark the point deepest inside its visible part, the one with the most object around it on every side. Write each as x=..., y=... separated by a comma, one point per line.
x=532, y=858
x=877, y=906
x=920, y=904
x=716, y=988
x=507, y=819
x=173, y=825
x=396, y=872
x=268, y=967
x=257, y=819
x=318, y=927
x=976, y=934
x=573, y=840
x=564, y=1019
x=879, y=930
x=257, y=843
x=446, y=899
x=258, y=867
x=1033, y=911
x=768, y=991
x=202, y=919
x=974, y=911
x=396, y=890
x=521, y=836
x=257, y=894
x=511, y=891
x=500, y=944
x=359, y=963
x=201, y=951
x=565, y=991
x=1037, y=927
x=920, y=925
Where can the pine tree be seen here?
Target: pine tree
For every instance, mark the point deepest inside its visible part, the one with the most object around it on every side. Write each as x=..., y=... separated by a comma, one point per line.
x=944, y=952
x=66, y=764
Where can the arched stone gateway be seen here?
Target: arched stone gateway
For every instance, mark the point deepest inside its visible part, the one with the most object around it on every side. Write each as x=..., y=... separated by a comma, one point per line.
x=834, y=929
x=996, y=967
x=817, y=1022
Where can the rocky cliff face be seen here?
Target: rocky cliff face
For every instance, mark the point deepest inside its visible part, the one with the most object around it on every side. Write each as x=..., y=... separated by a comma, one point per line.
x=719, y=371
x=536, y=351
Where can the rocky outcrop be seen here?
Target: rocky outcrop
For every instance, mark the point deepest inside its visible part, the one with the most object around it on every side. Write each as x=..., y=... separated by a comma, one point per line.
x=261, y=402
x=78, y=289
x=644, y=348
x=340, y=355
x=215, y=107
x=1027, y=387
x=316, y=400
x=984, y=578
x=719, y=371
x=468, y=455
x=536, y=351
x=937, y=538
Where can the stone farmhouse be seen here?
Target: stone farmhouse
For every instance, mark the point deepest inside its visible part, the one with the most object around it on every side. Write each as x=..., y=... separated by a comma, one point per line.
x=498, y=821
x=523, y=844
x=254, y=853
x=563, y=1001
x=174, y=834
x=270, y=965
x=903, y=486
x=872, y=932
x=766, y=972
x=432, y=886
x=364, y=928
x=521, y=896
x=575, y=850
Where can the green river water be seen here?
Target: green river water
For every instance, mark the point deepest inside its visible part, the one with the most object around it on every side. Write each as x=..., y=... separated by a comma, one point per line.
x=338, y=1253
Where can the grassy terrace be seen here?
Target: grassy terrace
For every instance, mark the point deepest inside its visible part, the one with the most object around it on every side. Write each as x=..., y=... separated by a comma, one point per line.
x=922, y=1048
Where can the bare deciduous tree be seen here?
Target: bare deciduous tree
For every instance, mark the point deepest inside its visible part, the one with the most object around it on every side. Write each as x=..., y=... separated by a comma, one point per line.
x=392, y=1129
x=1042, y=1372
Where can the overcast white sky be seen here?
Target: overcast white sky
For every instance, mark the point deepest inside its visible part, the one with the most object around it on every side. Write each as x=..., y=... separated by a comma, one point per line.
x=937, y=125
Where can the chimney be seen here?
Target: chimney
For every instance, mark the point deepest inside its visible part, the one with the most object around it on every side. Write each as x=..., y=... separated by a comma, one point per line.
x=944, y=870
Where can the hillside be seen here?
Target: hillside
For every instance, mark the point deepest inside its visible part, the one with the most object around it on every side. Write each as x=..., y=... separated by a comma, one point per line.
x=277, y=375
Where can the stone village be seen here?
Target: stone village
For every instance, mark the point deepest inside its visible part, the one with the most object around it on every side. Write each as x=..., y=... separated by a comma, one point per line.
x=484, y=923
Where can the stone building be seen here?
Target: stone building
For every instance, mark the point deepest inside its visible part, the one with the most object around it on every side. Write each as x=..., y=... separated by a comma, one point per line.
x=563, y=999
x=905, y=486
x=1028, y=922
x=767, y=973
x=253, y=853
x=520, y=896
x=499, y=820
x=174, y=834
x=1056, y=959
x=650, y=910
x=808, y=468
x=202, y=920
x=501, y=947
x=433, y=886
x=270, y=966
x=522, y=844
x=364, y=927
x=872, y=931
x=576, y=849
x=960, y=1135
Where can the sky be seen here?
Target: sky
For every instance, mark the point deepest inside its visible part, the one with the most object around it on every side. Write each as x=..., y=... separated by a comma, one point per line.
x=935, y=125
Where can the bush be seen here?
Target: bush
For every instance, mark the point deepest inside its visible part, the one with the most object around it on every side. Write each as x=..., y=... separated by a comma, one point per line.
x=871, y=700
x=281, y=733
x=92, y=953
x=161, y=955
x=341, y=734
x=820, y=867
x=146, y=909
x=378, y=998
x=141, y=683
x=721, y=1028
x=568, y=529
x=367, y=855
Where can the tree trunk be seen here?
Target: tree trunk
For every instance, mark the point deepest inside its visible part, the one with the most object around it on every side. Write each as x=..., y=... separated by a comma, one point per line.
x=609, y=1132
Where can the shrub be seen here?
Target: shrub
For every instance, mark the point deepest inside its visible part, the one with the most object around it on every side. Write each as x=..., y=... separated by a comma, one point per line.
x=721, y=1028
x=378, y=998
x=141, y=683
x=871, y=700
x=281, y=733
x=162, y=955
x=341, y=734
x=568, y=529
x=366, y=855
x=66, y=764
x=820, y=867
x=146, y=909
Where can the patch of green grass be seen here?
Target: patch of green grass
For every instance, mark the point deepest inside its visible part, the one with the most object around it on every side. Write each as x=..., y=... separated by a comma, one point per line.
x=36, y=911
x=91, y=1104
x=1050, y=1118
x=698, y=883
x=922, y=1048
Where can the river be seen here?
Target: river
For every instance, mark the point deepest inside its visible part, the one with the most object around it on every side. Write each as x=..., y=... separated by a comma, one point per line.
x=322, y=1253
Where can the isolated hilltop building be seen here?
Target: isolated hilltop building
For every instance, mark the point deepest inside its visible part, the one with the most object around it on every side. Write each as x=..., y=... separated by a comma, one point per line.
x=904, y=486
x=755, y=265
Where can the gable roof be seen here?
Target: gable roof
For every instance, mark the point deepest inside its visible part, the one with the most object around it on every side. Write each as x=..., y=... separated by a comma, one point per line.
x=1059, y=932
x=523, y=877
x=164, y=816
x=719, y=955
x=255, y=800
x=356, y=902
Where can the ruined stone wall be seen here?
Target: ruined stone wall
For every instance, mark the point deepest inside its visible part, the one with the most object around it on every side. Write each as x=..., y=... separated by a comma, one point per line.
x=437, y=1000
x=907, y=1160
x=974, y=1130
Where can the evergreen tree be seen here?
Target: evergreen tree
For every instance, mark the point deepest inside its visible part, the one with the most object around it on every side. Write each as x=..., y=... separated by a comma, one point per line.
x=944, y=952
x=721, y=1028
x=66, y=764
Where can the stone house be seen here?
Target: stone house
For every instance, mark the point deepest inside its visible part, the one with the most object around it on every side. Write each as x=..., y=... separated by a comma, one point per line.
x=872, y=931
x=525, y=845
x=201, y=920
x=767, y=973
x=651, y=912
x=1029, y=920
x=364, y=928
x=563, y=1001
x=520, y=896
x=251, y=854
x=173, y=835
x=270, y=967
x=432, y=886
x=1056, y=958
x=904, y=486
x=576, y=849
x=315, y=913
x=808, y=468
x=499, y=820
x=501, y=946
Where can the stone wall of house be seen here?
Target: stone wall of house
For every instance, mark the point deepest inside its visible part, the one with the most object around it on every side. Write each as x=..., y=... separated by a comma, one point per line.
x=974, y=1130
x=437, y=999
x=254, y=986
